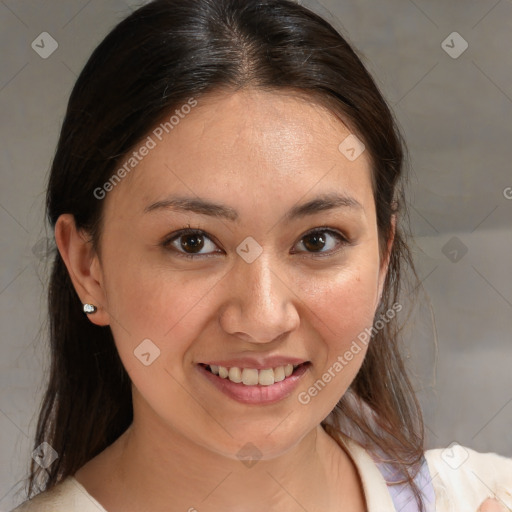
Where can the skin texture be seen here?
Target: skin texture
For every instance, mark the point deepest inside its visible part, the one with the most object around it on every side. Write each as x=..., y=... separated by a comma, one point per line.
x=260, y=153
x=492, y=505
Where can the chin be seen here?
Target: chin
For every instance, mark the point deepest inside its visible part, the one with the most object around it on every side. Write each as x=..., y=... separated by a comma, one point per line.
x=265, y=442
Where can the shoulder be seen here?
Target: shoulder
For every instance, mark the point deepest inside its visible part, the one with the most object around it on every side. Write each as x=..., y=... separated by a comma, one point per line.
x=66, y=496
x=463, y=478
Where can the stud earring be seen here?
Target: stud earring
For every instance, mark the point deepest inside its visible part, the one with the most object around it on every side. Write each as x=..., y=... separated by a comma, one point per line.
x=90, y=308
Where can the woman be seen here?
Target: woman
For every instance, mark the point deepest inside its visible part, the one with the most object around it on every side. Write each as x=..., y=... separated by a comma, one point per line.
x=227, y=203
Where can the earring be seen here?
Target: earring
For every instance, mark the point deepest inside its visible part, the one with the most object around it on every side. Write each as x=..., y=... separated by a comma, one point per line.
x=90, y=308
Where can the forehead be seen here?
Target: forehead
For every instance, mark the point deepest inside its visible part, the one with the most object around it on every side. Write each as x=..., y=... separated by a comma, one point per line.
x=248, y=142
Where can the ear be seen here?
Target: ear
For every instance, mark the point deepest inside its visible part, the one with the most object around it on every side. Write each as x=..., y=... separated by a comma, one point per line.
x=385, y=262
x=83, y=266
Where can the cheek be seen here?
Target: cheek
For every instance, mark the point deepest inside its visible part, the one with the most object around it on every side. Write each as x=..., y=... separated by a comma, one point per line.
x=342, y=308
x=342, y=312
x=168, y=307
x=343, y=303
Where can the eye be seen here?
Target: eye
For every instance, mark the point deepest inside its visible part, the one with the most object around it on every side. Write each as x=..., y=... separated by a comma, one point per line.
x=322, y=238
x=189, y=243
x=194, y=243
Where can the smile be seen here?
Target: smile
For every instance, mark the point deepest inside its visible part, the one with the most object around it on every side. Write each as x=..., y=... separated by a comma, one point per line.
x=252, y=376
x=253, y=386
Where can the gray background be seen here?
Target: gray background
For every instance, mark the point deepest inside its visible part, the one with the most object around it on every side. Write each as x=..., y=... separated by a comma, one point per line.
x=455, y=113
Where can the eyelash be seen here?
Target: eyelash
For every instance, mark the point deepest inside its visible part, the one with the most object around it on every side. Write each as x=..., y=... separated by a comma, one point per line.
x=166, y=243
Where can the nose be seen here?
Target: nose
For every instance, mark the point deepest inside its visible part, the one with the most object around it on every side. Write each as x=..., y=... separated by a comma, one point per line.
x=260, y=305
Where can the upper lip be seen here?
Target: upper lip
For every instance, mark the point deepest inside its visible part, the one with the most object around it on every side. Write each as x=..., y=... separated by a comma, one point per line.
x=256, y=363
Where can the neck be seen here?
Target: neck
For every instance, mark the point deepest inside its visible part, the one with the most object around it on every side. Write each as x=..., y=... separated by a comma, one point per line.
x=155, y=468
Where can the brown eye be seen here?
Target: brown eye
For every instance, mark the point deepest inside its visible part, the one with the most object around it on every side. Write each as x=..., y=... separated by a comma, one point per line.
x=315, y=241
x=192, y=243
x=319, y=239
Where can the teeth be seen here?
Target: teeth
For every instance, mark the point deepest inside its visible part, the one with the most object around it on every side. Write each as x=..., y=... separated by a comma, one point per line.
x=279, y=374
x=252, y=376
x=235, y=375
x=266, y=377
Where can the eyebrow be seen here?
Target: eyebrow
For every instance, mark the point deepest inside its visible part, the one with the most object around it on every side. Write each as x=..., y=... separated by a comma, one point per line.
x=204, y=207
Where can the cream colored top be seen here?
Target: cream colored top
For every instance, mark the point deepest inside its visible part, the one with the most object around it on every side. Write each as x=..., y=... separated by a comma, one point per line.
x=461, y=479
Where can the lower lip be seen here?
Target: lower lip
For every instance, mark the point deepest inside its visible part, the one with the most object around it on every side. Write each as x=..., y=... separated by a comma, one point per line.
x=256, y=394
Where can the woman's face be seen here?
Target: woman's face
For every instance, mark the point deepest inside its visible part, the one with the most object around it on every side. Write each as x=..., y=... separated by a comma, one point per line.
x=256, y=288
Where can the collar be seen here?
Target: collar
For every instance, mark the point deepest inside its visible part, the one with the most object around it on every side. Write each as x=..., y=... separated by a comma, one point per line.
x=378, y=498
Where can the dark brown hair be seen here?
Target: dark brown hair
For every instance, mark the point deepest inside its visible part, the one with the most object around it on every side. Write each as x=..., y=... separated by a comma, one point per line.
x=151, y=63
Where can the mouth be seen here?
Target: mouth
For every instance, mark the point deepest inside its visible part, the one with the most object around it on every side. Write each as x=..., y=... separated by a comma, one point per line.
x=253, y=376
x=253, y=386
